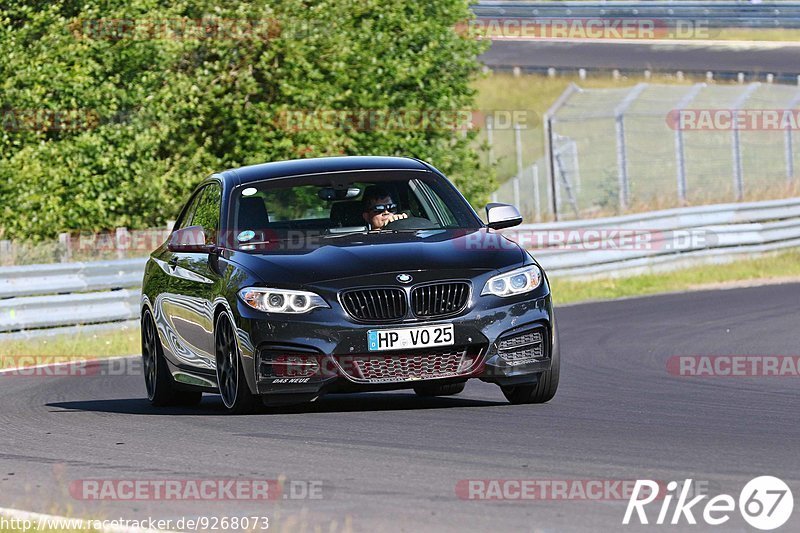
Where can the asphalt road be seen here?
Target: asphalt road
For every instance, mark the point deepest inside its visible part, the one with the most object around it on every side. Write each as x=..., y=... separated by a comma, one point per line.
x=718, y=58
x=391, y=461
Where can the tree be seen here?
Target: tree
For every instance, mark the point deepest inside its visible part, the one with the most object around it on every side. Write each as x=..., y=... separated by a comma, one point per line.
x=112, y=111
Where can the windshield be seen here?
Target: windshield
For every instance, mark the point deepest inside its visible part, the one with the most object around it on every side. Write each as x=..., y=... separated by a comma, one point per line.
x=334, y=205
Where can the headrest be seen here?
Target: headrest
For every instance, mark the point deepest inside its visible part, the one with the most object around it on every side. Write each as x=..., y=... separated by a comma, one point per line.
x=253, y=214
x=347, y=214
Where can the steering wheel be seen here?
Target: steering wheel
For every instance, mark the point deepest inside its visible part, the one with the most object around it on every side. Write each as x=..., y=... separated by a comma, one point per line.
x=411, y=222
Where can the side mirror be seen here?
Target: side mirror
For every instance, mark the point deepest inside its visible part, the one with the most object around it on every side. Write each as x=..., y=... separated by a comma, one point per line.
x=501, y=216
x=190, y=240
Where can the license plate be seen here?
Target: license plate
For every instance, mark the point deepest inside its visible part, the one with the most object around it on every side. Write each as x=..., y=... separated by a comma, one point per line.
x=420, y=337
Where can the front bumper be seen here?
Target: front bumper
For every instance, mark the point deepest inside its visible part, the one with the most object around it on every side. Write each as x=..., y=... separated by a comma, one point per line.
x=323, y=351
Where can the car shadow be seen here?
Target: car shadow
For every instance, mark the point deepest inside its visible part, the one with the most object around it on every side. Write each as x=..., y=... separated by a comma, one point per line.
x=334, y=403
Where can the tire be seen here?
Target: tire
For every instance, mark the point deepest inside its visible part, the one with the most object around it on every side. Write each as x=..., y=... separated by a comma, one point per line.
x=161, y=390
x=544, y=390
x=446, y=389
x=233, y=389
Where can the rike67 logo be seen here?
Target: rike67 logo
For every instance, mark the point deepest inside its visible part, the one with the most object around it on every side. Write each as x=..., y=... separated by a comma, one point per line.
x=765, y=503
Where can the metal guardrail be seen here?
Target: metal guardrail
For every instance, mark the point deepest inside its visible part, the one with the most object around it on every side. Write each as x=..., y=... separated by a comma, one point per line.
x=62, y=278
x=715, y=14
x=670, y=239
x=68, y=294
x=35, y=312
x=42, y=297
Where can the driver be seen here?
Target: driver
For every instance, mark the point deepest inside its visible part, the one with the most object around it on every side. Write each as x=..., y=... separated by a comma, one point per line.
x=379, y=208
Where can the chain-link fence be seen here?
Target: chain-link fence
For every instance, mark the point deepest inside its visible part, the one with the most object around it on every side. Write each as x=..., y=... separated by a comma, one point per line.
x=658, y=146
x=530, y=190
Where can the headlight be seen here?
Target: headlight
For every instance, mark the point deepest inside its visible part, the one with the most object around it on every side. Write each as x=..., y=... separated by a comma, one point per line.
x=517, y=281
x=281, y=300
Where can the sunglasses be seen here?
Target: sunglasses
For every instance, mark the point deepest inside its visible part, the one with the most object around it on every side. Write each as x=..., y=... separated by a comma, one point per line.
x=380, y=208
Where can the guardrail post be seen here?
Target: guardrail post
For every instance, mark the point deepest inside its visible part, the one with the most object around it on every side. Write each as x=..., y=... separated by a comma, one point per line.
x=122, y=240
x=738, y=174
x=738, y=178
x=552, y=198
x=5, y=251
x=622, y=162
x=518, y=148
x=65, y=247
x=490, y=138
x=536, y=195
x=576, y=166
x=789, y=143
x=680, y=162
x=622, y=152
x=680, y=155
x=547, y=121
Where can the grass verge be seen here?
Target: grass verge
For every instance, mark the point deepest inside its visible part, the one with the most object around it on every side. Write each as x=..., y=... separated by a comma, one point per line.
x=754, y=34
x=81, y=344
x=783, y=266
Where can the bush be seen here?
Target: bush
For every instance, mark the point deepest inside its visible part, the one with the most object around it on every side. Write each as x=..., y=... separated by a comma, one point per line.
x=144, y=114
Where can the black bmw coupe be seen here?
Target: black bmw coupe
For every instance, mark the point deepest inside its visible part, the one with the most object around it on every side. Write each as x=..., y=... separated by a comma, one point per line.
x=285, y=281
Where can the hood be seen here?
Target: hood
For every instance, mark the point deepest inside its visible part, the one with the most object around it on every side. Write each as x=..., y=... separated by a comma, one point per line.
x=293, y=262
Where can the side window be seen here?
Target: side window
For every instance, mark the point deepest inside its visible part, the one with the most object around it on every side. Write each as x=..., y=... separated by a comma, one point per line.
x=429, y=199
x=188, y=214
x=208, y=209
x=447, y=217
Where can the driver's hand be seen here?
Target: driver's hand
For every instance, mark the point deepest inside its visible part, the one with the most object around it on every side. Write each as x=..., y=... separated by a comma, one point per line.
x=392, y=218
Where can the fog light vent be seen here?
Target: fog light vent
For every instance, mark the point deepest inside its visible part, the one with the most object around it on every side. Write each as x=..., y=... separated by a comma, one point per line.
x=287, y=365
x=523, y=347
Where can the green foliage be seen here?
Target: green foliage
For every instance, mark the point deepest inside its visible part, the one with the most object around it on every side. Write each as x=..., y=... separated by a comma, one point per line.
x=145, y=116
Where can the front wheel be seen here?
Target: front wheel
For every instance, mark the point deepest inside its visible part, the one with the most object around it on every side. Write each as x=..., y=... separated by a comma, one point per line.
x=544, y=390
x=233, y=387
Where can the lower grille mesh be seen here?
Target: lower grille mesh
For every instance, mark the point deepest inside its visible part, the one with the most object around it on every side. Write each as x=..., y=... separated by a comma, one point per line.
x=385, y=368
